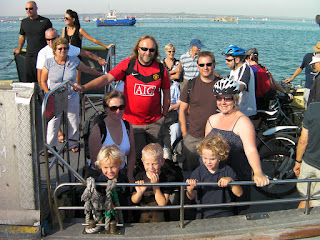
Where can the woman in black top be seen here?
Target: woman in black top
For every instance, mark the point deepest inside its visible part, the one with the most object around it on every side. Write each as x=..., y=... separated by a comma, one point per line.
x=74, y=33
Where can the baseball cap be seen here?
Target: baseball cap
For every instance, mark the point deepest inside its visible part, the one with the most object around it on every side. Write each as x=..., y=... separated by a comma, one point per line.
x=196, y=42
x=315, y=59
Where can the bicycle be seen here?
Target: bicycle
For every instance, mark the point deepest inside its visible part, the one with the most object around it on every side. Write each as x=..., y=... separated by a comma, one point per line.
x=278, y=166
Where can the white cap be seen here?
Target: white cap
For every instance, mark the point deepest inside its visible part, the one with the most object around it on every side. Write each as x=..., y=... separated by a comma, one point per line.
x=315, y=59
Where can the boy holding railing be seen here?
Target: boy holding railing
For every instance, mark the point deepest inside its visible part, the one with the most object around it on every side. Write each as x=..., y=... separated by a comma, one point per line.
x=152, y=159
x=214, y=150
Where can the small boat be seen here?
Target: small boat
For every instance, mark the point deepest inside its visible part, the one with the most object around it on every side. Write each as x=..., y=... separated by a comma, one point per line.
x=112, y=20
x=87, y=20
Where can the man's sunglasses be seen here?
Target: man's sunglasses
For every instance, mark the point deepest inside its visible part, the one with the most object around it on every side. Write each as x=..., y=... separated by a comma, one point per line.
x=226, y=99
x=146, y=49
x=115, y=108
x=51, y=39
x=229, y=60
x=29, y=8
x=205, y=64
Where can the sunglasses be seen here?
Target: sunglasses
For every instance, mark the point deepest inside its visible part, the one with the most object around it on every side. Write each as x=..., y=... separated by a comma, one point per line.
x=29, y=8
x=115, y=108
x=66, y=18
x=226, y=99
x=64, y=48
x=229, y=60
x=171, y=51
x=51, y=39
x=146, y=49
x=205, y=64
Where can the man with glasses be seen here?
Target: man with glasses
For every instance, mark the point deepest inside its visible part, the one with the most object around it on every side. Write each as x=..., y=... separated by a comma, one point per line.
x=33, y=28
x=200, y=102
x=51, y=34
x=145, y=80
x=243, y=74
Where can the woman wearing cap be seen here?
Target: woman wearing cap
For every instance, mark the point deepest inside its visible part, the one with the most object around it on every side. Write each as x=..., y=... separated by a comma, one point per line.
x=238, y=130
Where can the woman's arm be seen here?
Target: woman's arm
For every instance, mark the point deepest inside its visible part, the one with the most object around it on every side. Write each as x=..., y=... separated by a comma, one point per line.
x=248, y=138
x=94, y=144
x=44, y=79
x=87, y=36
x=84, y=68
x=208, y=126
x=131, y=157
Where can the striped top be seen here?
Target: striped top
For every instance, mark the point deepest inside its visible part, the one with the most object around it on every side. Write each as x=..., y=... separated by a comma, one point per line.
x=189, y=66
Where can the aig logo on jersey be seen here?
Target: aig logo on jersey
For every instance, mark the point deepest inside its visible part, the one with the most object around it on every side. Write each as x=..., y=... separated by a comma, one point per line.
x=144, y=90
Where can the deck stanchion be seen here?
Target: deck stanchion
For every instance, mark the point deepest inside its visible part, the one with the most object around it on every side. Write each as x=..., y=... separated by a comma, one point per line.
x=181, y=206
x=307, y=208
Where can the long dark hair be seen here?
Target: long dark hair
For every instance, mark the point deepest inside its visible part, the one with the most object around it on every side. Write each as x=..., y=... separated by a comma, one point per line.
x=74, y=15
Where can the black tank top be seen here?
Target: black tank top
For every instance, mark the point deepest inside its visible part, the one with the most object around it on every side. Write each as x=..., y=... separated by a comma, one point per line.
x=75, y=39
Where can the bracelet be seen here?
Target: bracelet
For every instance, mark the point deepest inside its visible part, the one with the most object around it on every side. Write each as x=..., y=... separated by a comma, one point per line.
x=99, y=58
x=298, y=161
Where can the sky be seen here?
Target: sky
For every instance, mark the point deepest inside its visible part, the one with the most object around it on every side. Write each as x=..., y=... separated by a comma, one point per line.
x=307, y=9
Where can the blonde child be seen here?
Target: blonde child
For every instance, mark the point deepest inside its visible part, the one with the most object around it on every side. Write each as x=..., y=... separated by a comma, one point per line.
x=214, y=151
x=152, y=159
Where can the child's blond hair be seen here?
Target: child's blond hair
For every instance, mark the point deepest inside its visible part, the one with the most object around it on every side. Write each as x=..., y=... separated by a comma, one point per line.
x=152, y=150
x=215, y=142
x=107, y=153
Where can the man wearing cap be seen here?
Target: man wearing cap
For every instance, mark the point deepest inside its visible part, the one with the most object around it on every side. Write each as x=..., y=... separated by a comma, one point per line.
x=188, y=61
x=307, y=163
x=309, y=71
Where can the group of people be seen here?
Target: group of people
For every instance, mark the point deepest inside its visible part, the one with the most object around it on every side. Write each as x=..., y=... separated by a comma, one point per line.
x=213, y=111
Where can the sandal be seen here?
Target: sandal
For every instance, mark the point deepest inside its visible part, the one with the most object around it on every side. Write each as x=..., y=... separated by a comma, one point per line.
x=75, y=149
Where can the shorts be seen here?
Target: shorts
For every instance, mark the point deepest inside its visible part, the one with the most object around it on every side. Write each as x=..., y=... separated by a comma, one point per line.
x=309, y=172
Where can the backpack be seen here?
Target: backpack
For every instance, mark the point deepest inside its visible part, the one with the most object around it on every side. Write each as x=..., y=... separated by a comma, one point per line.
x=265, y=83
x=142, y=78
x=97, y=118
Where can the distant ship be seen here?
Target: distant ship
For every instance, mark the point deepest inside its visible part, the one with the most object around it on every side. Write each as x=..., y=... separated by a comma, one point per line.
x=112, y=20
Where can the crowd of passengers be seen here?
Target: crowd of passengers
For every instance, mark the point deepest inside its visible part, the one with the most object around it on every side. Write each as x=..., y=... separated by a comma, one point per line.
x=160, y=101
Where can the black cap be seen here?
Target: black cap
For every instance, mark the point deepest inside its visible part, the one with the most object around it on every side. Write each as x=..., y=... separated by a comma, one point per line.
x=251, y=51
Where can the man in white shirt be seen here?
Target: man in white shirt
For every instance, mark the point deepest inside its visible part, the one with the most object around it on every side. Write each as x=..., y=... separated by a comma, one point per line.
x=241, y=72
x=51, y=34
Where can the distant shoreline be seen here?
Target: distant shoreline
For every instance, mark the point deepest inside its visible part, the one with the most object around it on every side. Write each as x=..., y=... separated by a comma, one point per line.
x=162, y=15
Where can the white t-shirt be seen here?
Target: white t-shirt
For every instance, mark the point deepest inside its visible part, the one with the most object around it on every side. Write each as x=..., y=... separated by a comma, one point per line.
x=247, y=103
x=46, y=53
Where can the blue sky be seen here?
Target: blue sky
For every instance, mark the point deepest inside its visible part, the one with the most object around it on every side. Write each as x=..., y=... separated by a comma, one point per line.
x=282, y=8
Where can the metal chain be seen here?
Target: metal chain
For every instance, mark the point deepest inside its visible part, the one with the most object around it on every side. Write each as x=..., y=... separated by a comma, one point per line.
x=7, y=65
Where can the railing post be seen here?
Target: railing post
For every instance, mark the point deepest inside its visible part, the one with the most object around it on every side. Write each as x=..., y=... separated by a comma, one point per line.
x=181, y=206
x=307, y=208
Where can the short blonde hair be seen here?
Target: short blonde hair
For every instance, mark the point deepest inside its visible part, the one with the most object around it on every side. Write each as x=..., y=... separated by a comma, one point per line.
x=169, y=46
x=215, y=142
x=108, y=153
x=152, y=150
x=57, y=42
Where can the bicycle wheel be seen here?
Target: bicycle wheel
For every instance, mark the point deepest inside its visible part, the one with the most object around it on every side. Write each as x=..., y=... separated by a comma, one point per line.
x=277, y=142
x=278, y=166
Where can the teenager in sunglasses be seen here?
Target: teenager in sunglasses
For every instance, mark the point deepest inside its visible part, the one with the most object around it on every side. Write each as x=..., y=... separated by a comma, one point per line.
x=238, y=130
x=114, y=103
x=33, y=28
x=74, y=33
x=243, y=74
x=56, y=70
x=144, y=85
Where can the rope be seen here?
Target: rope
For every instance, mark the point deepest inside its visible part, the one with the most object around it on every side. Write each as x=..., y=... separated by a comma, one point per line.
x=108, y=203
x=7, y=65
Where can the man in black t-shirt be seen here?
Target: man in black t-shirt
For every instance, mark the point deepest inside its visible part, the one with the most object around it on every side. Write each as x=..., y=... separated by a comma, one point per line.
x=33, y=28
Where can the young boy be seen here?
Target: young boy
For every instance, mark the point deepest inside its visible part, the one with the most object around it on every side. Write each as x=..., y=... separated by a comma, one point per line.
x=109, y=160
x=152, y=159
x=214, y=151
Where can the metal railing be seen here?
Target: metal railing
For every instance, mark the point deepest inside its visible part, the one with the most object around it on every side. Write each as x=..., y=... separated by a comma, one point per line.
x=182, y=206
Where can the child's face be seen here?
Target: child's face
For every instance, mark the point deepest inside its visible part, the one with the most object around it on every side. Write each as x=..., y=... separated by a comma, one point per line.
x=110, y=168
x=210, y=160
x=152, y=165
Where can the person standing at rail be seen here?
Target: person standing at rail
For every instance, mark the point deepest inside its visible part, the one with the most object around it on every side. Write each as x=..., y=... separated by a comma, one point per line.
x=33, y=28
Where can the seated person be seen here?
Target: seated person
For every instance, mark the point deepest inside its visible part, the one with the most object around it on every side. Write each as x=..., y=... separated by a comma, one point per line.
x=214, y=151
x=109, y=160
x=152, y=159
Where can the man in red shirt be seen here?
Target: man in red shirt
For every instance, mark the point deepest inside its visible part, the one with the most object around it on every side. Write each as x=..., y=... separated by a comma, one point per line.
x=142, y=89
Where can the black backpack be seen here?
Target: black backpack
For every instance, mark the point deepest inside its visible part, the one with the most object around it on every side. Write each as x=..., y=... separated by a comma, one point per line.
x=97, y=118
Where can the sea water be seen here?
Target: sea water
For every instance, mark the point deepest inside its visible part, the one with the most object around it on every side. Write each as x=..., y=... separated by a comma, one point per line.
x=281, y=44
